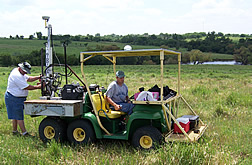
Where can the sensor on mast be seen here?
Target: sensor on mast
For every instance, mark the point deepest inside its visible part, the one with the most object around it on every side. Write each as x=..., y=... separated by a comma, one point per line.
x=46, y=18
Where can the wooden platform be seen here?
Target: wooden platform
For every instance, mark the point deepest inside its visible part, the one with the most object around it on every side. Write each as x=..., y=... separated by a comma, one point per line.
x=181, y=137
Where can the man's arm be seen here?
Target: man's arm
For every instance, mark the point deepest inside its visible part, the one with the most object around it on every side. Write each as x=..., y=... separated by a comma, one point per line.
x=32, y=87
x=33, y=78
x=110, y=101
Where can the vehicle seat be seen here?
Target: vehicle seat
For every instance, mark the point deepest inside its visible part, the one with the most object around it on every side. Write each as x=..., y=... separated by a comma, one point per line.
x=102, y=106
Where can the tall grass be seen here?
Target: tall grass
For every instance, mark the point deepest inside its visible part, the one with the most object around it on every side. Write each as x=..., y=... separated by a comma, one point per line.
x=221, y=95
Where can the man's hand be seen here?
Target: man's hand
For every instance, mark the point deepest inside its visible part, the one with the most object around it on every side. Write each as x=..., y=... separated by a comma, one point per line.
x=117, y=107
x=34, y=78
x=110, y=101
x=33, y=87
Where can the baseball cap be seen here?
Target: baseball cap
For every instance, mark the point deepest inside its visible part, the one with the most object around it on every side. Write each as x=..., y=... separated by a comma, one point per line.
x=25, y=66
x=120, y=74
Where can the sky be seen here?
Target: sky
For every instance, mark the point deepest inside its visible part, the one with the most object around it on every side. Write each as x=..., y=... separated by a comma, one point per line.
x=122, y=17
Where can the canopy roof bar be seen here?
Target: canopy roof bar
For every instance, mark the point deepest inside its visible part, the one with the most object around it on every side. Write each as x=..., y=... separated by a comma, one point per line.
x=112, y=55
x=127, y=53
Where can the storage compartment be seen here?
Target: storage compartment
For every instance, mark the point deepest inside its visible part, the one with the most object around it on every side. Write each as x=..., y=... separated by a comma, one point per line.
x=185, y=124
x=66, y=108
x=194, y=121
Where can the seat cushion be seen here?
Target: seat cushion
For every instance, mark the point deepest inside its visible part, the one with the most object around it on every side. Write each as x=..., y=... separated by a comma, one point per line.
x=102, y=107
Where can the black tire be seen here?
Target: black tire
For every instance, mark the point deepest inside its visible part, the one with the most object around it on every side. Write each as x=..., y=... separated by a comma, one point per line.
x=146, y=137
x=80, y=132
x=52, y=128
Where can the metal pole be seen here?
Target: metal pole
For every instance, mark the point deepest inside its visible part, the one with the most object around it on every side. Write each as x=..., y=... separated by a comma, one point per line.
x=114, y=64
x=64, y=45
x=48, y=58
x=42, y=64
x=42, y=71
x=52, y=51
x=162, y=74
x=179, y=68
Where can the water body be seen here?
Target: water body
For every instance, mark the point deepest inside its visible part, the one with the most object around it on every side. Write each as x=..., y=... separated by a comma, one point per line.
x=220, y=63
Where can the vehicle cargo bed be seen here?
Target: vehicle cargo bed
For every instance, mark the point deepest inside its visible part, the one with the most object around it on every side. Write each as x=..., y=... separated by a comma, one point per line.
x=68, y=108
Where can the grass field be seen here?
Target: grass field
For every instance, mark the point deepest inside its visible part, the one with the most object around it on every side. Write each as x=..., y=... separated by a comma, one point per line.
x=25, y=46
x=221, y=95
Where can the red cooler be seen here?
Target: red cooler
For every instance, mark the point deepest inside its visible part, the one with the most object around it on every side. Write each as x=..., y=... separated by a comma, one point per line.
x=185, y=124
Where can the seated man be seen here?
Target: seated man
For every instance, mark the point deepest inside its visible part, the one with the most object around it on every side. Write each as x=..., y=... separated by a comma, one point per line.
x=117, y=94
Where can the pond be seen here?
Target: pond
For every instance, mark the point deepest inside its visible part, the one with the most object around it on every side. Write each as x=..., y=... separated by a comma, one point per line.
x=219, y=63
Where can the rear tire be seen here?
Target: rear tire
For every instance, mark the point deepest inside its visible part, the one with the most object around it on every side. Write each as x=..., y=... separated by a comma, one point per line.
x=52, y=128
x=80, y=132
x=146, y=137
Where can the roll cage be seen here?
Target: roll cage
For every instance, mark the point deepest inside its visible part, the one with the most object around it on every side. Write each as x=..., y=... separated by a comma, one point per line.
x=113, y=55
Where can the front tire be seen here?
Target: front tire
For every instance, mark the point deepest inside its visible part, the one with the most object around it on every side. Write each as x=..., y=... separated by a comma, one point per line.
x=146, y=137
x=52, y=128
x=80, y=132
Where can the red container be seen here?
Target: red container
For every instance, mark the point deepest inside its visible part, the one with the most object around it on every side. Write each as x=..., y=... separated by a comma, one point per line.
x=185, y=126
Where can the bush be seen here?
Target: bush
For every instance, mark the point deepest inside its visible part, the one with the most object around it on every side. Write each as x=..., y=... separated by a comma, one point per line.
x=5, y=60
x=148, y=62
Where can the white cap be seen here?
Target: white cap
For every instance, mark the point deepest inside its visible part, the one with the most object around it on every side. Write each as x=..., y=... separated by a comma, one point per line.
x=183, y=120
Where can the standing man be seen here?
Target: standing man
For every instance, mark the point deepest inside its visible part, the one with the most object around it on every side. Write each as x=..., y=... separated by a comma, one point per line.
x=16, y=93
x=117, y=94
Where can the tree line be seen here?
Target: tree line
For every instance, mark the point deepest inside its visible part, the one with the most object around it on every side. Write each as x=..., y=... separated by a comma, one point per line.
x=195, y=43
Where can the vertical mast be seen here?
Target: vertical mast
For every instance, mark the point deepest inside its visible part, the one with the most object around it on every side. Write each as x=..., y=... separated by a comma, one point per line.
x=48, y=56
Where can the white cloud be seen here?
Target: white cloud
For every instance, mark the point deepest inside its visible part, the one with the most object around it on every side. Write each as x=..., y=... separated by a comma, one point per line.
x=125, y=16
x=217, y=15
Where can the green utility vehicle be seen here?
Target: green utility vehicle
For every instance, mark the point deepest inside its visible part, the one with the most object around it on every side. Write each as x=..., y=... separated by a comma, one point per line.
x=81, y=114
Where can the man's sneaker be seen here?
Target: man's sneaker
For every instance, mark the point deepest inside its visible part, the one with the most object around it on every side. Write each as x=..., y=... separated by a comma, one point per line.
x=16, y=133
x=27, y=135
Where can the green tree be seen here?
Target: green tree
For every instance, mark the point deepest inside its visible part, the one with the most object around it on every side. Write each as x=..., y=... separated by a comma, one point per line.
x=243, y=55
x=76, y=38
x=97, y=35
x=39, y=35
x=31, y=37
x=220, y=34
x=185, y=58
x=250, y=56
x=243, y=35
x=196, y=56
x=65, y=39
x=5, y=60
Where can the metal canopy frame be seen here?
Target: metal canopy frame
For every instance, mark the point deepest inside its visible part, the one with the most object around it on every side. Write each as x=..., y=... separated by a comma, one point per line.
x=112, y=55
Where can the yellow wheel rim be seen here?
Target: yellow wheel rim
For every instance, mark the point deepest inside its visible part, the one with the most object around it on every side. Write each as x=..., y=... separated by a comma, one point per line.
x=145, y=142
x=49, y=132
x=79, y=134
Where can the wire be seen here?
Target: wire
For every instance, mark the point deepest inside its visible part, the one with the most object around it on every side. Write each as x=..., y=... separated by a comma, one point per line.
x=54, y=50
